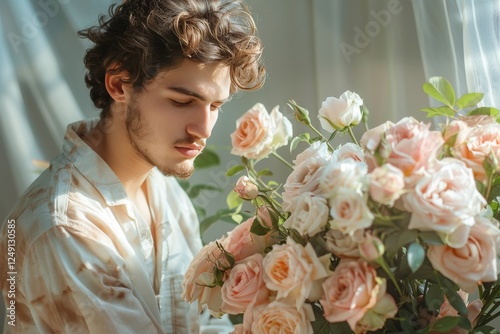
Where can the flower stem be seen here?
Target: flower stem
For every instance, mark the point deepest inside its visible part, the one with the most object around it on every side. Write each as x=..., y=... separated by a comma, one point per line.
x=388, y=271
x=349, y=129
x=322, y=137
x=280, y=158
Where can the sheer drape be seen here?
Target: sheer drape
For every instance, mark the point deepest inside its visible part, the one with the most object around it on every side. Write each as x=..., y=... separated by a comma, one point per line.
x=460, y=40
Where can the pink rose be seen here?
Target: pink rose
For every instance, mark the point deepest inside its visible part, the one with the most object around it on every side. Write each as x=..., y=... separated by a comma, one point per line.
x=444, y=200
x=293, y=271
x=337, y=114
x=278, y=317
x=349, y=211
x=351, y=291
x=375, y=317
x=244, y=286
x=258, y=133
x=371, y=248
x=410, y=145
x=373, y=145
x=472, y=263
x=309, y=214
x=238, y=329
x=342, y=245
x=387, y=184
x=241, y=243
x=304, y=178
x=482, y=141
x=446, y=310
x=246, y=189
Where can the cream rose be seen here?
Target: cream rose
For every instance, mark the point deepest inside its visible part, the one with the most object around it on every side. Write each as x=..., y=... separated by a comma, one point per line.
x=342, y=245
x=337, y=114
x=295, y=272
x=387, y=184
x=472, y=263
x=258, y=133
x=304, y=178
x=351, y=291
x=342, y=174
x=278, y=317
x=244, y=286
x=349, y=211
x=445, y=199
x=349, y=151
x=309, y=214
x=318, y=149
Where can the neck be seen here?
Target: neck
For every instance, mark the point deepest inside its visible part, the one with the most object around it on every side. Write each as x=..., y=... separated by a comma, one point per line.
x=117, y=151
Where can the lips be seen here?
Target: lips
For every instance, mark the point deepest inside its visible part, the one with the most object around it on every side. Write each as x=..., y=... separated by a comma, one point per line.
x=190, y=151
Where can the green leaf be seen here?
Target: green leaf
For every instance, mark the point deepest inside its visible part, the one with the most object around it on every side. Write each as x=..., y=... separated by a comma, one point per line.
x=234, y=170
x=209, y=221
x=469, y=100
x=434, y=297
x=265, y=172
x=439, y=111
x=440, y=89
x=396, y=240
x=450, y=290
x=488, y=111
x=485, y=330
x=233, y=200
x=430, y=238
x=416, y=256
x=445, y=324
x=295, y=141
x=197, y=188
x=259, y=229
x=207, y=158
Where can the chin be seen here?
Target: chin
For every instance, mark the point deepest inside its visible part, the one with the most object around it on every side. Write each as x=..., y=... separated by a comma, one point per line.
x=182, y=171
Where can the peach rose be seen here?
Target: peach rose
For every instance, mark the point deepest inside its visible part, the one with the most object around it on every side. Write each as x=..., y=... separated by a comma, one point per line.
x=482, y=141
x=246, y=189
x=309, y=214
x=349, y=211
x=373, y=146
x=444, y=200
x=238, y=329
x=456, y=133
x=410, y=145
x=337, y=114
x=241, y=243
x=472, y=263
x=351, y=291
x=347, y=174
x=387, y=184
x=278, y=317
x=258, y=133
x=371, y=247
x=304, y=178
x=342, y=245
x=244, y=286
x=295, y=271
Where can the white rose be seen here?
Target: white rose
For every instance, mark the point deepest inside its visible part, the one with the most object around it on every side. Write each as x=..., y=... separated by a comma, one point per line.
x=346, y=173
x=318, y=149
x=282, y=129
x=309, y=214
x=444, y=200
x=337, y=114
x=349, y=211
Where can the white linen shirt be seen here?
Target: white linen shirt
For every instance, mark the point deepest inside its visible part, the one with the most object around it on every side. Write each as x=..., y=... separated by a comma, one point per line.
x=82, y=252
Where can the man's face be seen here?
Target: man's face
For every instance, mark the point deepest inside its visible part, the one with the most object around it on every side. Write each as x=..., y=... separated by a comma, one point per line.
x=169, y=121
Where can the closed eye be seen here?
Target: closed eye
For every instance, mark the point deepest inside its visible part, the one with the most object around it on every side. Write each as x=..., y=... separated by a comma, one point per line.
x=180, y=104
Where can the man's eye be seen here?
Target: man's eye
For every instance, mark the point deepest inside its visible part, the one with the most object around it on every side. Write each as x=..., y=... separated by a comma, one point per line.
x=181, y=104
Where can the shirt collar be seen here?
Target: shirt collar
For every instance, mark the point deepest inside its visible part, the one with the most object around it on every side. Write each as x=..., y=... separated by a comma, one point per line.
x=90, y=164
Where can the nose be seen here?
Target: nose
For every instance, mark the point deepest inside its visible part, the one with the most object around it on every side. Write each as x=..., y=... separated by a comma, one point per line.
x=202, y=122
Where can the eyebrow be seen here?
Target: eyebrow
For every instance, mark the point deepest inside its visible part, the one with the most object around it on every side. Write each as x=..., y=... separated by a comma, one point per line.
x=189, y=92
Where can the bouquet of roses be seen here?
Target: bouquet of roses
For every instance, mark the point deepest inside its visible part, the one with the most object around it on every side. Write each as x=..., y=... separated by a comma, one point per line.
x=388, y=234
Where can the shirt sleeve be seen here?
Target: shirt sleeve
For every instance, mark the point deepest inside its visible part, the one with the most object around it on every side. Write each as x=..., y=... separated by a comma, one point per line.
x=75, y=284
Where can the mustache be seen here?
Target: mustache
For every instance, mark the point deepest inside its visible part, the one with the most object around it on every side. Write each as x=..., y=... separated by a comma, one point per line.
x=190, y=140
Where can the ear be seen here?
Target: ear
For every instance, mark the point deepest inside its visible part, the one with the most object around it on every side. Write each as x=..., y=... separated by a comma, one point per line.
x=117, y=86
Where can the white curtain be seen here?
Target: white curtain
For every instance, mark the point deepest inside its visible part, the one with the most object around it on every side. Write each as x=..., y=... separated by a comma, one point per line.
x=460, y=40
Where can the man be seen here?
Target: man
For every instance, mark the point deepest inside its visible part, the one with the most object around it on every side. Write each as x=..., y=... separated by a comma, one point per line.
x=100, y=241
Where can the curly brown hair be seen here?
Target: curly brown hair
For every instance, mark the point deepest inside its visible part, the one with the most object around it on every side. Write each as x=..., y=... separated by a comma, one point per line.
x=144, y=37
